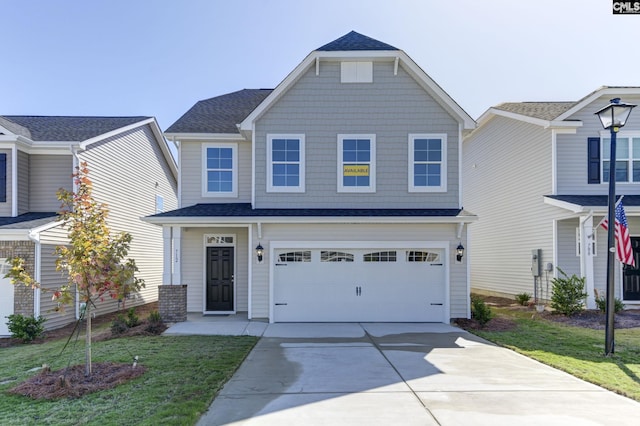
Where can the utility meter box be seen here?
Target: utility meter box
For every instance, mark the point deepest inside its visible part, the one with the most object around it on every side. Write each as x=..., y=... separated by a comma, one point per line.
x=536, y=262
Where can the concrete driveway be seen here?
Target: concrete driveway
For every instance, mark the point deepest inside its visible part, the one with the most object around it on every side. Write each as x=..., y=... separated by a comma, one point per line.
x=403, y=374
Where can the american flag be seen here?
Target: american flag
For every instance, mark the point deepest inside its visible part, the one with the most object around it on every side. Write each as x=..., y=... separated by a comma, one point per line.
x=623, y=241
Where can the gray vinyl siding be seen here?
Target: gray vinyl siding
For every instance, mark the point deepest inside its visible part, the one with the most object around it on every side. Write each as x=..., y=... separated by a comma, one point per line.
x=192, y=173
x=47, y=174
x=128, y=171
x=193, y=266
x=572, y=151
x=5, y=208
x=507, y=170
x=392, y=107
x=568, y=260
x=352, y=233
x=52, y=280
x=23, y=183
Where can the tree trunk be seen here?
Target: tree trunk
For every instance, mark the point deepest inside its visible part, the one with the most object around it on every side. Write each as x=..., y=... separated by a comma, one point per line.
x=87, y=344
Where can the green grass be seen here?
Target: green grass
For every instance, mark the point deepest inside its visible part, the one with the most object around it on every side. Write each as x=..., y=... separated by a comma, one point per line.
x=576, y=350
x=183, y=376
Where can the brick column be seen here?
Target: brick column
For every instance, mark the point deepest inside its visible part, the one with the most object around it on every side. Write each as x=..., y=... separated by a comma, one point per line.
x=172, y=302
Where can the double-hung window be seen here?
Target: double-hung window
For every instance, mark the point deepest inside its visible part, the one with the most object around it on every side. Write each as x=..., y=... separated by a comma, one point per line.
x=285, y=163
x=427, y=162
x=627, y=159
x=356, y=163
x=220, y=170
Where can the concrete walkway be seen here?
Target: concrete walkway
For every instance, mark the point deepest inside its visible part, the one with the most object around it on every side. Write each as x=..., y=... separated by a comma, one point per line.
x=403, y=374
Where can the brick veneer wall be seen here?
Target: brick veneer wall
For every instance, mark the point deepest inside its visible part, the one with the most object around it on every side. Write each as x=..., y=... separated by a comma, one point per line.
x=172, y=302
x=23, y=299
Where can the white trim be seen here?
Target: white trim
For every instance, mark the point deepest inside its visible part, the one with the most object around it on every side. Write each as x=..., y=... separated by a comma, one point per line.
x=212, y=137
x=253, y=165
x=234, y=170
x=250, y=250
x=372, y=163
x=442, y=245
x=14, y=181
x=603, y=91
x=301, y=163
x=176, y=256
x=204, y=272
x=630, y=135
x=443, y=162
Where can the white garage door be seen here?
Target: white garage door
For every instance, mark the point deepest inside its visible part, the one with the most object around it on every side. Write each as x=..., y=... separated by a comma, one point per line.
x=359, y=285
x=6, y=298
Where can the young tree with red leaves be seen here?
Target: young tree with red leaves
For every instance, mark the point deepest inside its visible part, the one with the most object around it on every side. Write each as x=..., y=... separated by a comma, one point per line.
x=95, y=261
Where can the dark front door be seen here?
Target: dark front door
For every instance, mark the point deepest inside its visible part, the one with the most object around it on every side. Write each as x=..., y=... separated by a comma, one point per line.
x=219, y=279
x=631, y=280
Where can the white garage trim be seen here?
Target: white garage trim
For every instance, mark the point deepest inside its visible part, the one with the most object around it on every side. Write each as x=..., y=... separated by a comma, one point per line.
x=442, y=245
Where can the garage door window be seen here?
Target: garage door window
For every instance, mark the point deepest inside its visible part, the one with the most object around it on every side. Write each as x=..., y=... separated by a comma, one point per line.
x=335, y=256
x=422, y=256
x=380, y=256
x=295, y=256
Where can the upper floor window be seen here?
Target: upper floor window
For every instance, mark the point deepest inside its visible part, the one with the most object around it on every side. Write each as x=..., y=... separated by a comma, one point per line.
x=627, y=159
x=220, y=170
x=285, y=163
x=427, y=165
x=356, y=163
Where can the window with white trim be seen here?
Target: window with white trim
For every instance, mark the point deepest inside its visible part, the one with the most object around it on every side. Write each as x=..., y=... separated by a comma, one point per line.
x=335, y=256
x=380, y=256
x=220, y=170
x=427, y=162
x=422, y=256
x=295, y=256
x=356, y=163
x=627, y=159
x=285, y=163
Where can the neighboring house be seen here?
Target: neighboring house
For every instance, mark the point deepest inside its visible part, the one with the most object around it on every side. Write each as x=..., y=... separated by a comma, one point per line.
x=536, y=173
x=132, y=171
x=346, y=178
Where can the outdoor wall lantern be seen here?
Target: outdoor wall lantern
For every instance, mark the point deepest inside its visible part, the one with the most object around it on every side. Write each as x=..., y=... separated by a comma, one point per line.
x=612, y=117
x=459, y=252
x=259, y=252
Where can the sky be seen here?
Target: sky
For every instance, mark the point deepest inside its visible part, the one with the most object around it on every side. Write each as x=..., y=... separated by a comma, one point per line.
x=159, y=57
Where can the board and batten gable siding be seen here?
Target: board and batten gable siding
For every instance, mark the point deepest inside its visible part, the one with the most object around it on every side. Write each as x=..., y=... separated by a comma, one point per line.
x=191, y=169
x=572, y=151
x=23, y=183
x=507, y=169
x=47, y=174
x=128, y=170
x=193, y=264
x=6, y=208
x=321, y=108
x=349, y=233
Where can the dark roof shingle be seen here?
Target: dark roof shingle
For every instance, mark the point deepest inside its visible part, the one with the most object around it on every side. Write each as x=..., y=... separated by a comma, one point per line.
x=27, y=220
x=355, y=41
x=66, y=128
x=220, y=114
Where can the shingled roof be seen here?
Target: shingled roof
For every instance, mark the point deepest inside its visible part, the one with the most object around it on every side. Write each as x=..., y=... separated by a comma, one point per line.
x=355, y=41
x=64, y=128
x=220, y=114
x=542, y=110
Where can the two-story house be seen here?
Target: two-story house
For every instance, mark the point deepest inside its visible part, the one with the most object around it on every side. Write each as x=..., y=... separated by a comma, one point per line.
x=133, y=172
x=537, y=174
x=335, y=196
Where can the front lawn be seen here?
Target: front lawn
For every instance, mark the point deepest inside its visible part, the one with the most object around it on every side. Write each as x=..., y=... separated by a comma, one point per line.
x=578, y=351
x=183, y=376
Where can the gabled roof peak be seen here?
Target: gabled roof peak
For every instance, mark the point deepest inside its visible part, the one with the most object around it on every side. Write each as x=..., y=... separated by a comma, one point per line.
x=355, y=41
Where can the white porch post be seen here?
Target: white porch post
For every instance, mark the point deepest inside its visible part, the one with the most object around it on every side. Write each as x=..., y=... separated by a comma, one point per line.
x=587, y=236
x=166, y=256
x=177, y=255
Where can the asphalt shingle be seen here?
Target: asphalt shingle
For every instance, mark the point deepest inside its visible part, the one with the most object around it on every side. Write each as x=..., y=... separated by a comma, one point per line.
x=355, y=41
x=66, y=128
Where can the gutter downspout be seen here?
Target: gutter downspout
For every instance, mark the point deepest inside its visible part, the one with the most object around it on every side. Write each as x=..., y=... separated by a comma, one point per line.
x=76, y=163
x=14, y=181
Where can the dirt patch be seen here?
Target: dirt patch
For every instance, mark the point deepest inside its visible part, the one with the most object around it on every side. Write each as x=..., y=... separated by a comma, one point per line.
x=72, y=383
x=594, y=319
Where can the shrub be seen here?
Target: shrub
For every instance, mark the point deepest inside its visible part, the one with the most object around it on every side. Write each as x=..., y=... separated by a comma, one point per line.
x=26, y=328
x=119, y=325
x=601, y=302
x=568, y=294
x=132, y=318
x=480, y=311
x=155, y=324
x=523, y=298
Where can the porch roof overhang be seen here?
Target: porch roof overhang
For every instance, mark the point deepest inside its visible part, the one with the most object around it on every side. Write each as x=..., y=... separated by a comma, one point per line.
x=243, y=213
x=26, y=226
x=597, y=204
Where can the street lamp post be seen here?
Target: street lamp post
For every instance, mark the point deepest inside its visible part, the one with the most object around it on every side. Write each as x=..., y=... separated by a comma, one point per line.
x=613, y=117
